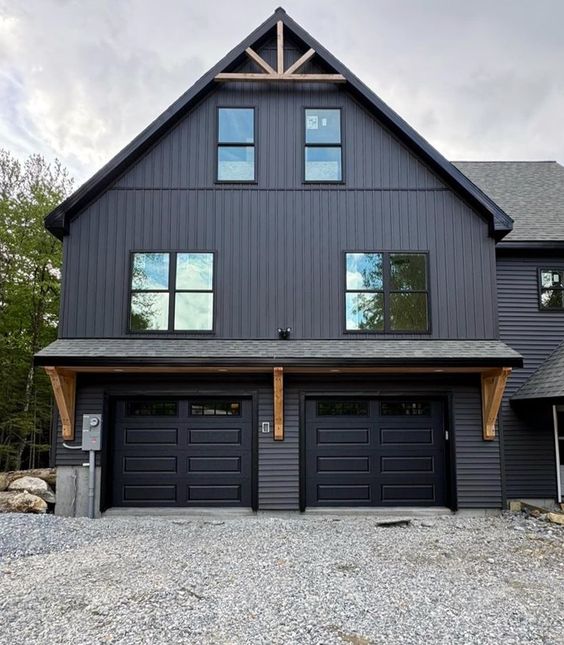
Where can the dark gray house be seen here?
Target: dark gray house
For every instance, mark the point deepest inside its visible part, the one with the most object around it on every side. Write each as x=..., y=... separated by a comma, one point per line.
x=279, y=296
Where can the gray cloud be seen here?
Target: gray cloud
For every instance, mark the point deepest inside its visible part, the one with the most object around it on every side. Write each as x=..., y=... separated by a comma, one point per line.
x=480, y=80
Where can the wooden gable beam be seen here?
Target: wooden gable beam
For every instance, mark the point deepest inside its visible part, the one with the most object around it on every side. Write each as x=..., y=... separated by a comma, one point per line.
x=223, y=77
x=278, y=74
x=259, y=60
x=300, y=62
x=63, y=383
x=493, y=387
x=280, y=46
x=278, y=403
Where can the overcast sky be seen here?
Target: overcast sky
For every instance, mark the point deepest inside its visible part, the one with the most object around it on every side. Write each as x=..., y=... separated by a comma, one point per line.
x=480, y=79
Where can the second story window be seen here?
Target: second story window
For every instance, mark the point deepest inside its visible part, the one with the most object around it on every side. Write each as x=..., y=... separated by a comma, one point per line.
x=236, y=145
x=552, y=289
x=171, y=292
x=387, y=292
x=323, y=149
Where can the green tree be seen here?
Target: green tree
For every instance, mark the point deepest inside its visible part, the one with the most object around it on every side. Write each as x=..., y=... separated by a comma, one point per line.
x=30, y=260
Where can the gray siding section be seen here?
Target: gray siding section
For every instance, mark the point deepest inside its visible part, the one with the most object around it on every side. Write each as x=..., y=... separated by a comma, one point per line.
x=478, y=466
x=280, y=256
x=279, y=461
x=527, y=427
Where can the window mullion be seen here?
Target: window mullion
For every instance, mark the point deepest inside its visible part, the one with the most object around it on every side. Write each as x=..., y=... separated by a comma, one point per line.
x=386, y=279
x=171, y=291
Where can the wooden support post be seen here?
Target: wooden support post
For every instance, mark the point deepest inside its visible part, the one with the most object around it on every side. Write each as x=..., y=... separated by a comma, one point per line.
x=493, y=386
x=63, y=383
x=278, y=403
x=280, y=46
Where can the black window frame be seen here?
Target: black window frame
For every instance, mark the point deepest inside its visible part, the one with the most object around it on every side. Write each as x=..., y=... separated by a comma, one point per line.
x=541, y=289
x=219, y=144
x=386, y=290
x=214, y=402
x=306, y=145
x=172, y=291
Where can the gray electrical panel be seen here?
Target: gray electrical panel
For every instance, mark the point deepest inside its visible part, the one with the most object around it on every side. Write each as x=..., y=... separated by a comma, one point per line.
x=92, y=432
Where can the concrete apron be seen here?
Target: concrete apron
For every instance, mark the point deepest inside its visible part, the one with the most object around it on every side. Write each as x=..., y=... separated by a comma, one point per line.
x=234, y=513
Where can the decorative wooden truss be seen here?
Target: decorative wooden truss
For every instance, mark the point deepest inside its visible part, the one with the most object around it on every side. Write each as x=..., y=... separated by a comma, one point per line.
x=63, y=383
x=493, y=386
x=279, y=74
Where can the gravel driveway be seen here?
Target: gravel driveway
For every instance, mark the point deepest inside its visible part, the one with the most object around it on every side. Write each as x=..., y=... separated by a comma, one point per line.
x=280, y=579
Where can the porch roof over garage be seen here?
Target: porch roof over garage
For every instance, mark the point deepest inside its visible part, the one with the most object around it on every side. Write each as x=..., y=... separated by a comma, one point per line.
x=174, y=352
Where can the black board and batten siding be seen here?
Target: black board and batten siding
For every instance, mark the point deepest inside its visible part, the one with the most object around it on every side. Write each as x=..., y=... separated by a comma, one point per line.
x=280, y=242
x=528, y=426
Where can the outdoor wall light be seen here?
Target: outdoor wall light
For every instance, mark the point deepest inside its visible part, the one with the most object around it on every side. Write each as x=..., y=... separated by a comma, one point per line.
x=284, y=333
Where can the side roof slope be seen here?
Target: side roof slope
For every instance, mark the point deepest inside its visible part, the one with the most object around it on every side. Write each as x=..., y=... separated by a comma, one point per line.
x=531, y=192
x=58, y=221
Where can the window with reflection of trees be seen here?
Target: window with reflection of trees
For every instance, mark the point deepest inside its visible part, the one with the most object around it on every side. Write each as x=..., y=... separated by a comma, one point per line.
x=387, y=292
x=552, y=289
x=171, y=292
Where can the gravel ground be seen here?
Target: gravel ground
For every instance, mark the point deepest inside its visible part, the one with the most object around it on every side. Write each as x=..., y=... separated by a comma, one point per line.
x=280, y=579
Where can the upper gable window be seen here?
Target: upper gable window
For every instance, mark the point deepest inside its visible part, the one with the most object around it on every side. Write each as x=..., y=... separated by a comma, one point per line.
x=552, y=289
x=171, y=292
x=387, y=292
x=323, y=148
x=236, y=144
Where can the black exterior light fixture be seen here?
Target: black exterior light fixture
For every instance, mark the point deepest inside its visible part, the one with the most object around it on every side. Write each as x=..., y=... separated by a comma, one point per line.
x=284, y=333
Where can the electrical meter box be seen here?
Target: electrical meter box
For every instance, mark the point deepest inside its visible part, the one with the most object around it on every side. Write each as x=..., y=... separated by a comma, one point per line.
x=92, y=432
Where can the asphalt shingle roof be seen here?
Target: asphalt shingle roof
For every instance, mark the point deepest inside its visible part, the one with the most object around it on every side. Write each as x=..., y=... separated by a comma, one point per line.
x=547, y=381
x=530, y=192
x=206, y=351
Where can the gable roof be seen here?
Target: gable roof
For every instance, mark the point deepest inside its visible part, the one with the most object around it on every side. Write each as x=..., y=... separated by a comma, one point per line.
x=531, y=192
x=57, y=221
x=547, y=382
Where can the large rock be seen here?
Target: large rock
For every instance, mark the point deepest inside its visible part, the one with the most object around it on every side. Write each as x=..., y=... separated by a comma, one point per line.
x=47, y=474
x=35, y=486
x=5, y=497
x=25, y=502
x=556, y=518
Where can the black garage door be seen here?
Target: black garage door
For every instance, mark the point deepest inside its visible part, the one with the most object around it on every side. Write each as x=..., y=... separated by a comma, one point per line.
x=182, y=452
x=366, y=452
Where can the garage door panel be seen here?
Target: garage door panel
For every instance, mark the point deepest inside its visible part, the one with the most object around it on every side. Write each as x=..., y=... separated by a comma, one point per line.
x=214, y=493
x=397, y=459
x=406, y=436
x=343, y=435
x=230, y=436
x=408, y=493
x=344, y=493
x=343, y=464
x=150, y=436
x=139, y=493
x=192, y=461
x=214, y=464
x=149, y=465
x=407, y=464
